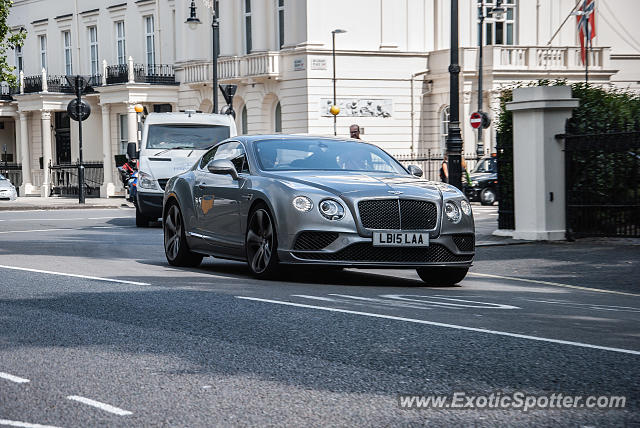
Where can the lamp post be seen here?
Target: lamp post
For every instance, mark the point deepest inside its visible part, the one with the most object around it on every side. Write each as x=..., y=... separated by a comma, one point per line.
x=454, y=137
x=335, y=110
x=193, y=23
x=497, y=13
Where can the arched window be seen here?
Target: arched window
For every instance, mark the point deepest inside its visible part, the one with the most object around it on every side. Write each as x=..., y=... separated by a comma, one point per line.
x=244, y=124
x=444, y=127
x=278, y=118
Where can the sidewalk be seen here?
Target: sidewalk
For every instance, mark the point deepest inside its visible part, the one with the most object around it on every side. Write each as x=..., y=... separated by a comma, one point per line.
x=57, y=203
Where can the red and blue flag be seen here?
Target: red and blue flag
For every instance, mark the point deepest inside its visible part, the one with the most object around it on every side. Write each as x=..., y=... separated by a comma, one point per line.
x=586, y=26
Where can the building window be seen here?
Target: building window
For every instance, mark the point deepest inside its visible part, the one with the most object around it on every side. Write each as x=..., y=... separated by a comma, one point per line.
x=93, y=50
x=68, y=64
x=121, y=46
x=19, y=60
x=280, y=23
x=503, y=32
x=278, y=118
x=123, y=133
x=150, y=40
x=444, y=127
x=247, y=26
x=245, y=122
x=42, y=42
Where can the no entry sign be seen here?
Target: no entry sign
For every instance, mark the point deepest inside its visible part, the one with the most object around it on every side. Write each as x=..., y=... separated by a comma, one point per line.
x=476, y=120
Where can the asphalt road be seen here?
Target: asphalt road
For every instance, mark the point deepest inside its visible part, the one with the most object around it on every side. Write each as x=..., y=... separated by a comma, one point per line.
x=97, y=330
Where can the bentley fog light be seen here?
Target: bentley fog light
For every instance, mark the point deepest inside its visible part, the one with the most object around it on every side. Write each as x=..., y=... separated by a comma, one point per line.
x=452, y=211
x=302, y=203
x=331, y=209
x=146, y=181
x=466, y=207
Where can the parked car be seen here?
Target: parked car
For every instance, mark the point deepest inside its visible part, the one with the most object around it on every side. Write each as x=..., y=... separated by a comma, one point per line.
x=484, y=182
x=7, y=190
x=272, y=200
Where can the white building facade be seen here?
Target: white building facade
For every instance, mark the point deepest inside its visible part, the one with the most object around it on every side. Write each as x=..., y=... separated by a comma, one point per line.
x=391, y=69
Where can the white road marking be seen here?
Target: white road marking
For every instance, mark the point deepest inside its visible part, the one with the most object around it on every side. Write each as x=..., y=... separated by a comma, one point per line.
x=73, y=275
x=464, y=303
x=556, y=284
x=587, y=305
x=64, y=228
x=453, y=326
x=357, y=300
x=61, y=219
x=23, y=424
x=102, y=406
x=13, y=378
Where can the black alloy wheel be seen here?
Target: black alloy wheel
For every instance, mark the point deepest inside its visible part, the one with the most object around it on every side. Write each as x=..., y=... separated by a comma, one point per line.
x=261, y=243
x=175, y=242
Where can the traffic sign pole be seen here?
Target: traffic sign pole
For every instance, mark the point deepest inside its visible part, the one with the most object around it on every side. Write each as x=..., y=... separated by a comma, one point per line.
x=80, y=165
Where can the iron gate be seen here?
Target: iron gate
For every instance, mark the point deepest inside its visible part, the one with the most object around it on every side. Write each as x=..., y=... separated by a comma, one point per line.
x=64, y=179
x=506, y=213
x=602, y=173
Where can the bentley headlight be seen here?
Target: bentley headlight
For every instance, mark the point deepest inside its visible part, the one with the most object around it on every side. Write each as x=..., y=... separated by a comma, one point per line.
x=332, y=210
x=302, y=203
x=452, y=211
x=146, y=181
x=466, y=207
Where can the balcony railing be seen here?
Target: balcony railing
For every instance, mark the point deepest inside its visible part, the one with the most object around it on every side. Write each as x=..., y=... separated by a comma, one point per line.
x=58, y=84
x=156, y=74
x=537, y=58
x=263, y=64
x=7, y=92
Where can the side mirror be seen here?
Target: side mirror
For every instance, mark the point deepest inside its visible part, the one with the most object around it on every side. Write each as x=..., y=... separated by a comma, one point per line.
x=223, y=166
x=415, y=170
x=132, y=152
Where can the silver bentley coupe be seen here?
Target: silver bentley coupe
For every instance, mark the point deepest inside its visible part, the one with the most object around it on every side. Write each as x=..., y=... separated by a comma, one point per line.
x=273, y=200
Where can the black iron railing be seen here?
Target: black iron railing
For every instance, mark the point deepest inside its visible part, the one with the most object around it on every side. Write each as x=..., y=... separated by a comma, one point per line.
x=157, y=74
x=431, y=161
x=59, y=84
x=7, y=92
x=602, y=178
x=506, y=212
x=13, y=171
x=64, y=179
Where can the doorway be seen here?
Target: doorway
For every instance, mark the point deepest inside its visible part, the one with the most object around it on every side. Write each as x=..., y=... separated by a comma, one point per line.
x=63, y=138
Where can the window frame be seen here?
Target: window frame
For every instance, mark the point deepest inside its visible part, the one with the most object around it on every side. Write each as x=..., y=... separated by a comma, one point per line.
x=94, y=54
x=280, y=28
x=42, y=42
x=246, y=25
x=19, y=58
x=211, y=155
x=277, y=117
x=67, y=52
x=123, y=132
x=444, y=120
x=491, y=25
x=149, y=36
x=121, y=43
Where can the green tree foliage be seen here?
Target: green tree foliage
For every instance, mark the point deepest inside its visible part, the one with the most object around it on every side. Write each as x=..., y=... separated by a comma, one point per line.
x=9, y=40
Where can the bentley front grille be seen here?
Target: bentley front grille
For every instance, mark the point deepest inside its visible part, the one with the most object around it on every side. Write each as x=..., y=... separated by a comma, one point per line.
x=403, y=214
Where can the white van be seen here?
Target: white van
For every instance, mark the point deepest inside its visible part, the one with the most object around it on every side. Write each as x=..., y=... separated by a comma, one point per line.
x=171, y=144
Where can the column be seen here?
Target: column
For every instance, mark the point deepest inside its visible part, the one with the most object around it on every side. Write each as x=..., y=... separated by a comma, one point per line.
x=25, y=158
x=539, y=114
x=16, y=127
x=46, y=153
x=132, y=124
x=108, y=188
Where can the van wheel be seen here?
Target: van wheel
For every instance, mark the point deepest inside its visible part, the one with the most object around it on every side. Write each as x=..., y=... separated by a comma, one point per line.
x=141, y=219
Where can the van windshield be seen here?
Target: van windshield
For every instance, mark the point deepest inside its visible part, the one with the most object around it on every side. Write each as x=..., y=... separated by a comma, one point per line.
x=198, y=137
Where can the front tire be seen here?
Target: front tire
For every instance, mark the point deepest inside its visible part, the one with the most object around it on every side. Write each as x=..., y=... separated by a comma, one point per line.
x=176, y=248
x=487, y=196
x=442, y=276
x=261, y=243
x=141, y=219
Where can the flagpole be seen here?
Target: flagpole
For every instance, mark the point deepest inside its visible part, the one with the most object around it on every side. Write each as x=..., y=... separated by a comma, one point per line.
x=586, y=55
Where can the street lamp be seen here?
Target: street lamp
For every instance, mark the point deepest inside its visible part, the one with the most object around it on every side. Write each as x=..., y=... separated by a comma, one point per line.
x=498, y=14
x=335, y=110
x=193, y=23
x=454, y=137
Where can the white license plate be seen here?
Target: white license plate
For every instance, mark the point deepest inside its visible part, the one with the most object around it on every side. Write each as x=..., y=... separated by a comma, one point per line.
x=400, y=239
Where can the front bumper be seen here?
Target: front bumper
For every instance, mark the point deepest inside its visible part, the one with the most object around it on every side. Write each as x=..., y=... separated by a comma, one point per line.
x=150, y=204
x=353, y=250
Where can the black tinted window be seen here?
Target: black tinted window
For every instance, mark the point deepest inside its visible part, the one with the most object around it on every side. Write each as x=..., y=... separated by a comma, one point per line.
x=197, y=137
x=207, y=157
x=233, y=151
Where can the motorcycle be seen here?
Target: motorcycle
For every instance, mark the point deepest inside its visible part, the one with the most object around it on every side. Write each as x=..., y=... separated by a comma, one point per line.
x=129, y=177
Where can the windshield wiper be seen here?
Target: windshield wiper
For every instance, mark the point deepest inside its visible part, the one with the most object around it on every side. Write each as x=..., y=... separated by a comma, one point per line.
x=172, y=148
